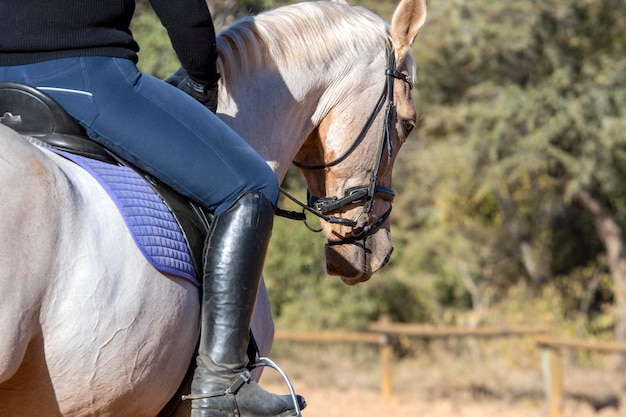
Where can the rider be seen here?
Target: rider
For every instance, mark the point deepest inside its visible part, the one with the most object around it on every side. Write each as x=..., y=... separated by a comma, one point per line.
x=82, y=53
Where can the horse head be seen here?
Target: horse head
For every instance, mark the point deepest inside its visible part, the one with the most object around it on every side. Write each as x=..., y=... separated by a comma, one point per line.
x=351, y=169
x=328, y=86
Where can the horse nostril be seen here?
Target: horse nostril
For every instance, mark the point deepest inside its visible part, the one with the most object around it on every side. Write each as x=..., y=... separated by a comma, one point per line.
x=387, y=259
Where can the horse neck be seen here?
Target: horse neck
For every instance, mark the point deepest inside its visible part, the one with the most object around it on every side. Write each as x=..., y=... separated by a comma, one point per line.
x=273, y=112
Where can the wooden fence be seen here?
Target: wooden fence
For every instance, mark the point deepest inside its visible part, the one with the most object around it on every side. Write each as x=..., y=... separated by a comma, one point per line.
x=385, y=349
x=382, y=331
x=552, y=364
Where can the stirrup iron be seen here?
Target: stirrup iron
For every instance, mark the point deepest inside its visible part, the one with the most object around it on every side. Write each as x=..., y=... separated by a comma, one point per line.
x=263, y=361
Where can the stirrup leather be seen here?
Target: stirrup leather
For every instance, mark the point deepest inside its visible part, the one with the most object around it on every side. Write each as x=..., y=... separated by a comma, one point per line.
x=239, y=382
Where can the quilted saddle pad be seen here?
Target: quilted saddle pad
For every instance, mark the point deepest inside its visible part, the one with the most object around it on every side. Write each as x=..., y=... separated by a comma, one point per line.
x=152, y=225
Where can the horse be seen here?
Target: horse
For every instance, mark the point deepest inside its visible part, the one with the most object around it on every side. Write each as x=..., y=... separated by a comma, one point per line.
x=88, y=326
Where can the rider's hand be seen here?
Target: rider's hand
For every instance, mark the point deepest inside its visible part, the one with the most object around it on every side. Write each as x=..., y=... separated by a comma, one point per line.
x=205, y=94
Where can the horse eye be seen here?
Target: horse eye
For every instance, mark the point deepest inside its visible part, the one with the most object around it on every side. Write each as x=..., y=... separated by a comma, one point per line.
x=408, y=126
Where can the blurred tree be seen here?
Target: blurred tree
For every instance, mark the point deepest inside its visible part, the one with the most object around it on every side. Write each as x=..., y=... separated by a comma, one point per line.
x=532, y=97
x=156, y=56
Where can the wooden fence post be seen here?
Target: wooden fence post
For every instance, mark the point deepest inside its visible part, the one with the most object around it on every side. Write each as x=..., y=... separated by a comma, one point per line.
x=552, y=369
x=386, y=359
x=386, y=367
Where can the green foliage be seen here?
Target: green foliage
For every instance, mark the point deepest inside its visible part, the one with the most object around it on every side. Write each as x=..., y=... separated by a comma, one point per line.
x=156, y=56
x=525, y=109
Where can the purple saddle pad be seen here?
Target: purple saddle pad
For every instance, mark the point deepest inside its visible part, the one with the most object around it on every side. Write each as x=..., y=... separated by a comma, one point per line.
x=152, y=225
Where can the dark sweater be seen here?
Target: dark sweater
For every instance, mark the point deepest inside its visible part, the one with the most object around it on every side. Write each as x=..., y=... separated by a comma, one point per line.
x=40, y=30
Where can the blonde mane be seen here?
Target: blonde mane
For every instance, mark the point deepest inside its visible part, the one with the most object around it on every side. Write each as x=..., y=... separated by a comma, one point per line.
x=300, y=35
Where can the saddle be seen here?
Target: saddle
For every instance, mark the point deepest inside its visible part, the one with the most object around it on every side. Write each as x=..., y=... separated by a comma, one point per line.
x=37, y=116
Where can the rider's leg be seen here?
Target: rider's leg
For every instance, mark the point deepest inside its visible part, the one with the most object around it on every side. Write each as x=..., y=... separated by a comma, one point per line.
x=174, y=138
x=156, y=127
x=233, y=262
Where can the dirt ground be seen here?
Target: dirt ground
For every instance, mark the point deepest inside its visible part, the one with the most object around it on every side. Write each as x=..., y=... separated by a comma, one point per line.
x=340, y=385
x=360, y=402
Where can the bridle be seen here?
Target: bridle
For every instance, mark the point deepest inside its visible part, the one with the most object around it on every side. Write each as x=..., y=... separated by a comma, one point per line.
x=365, y=194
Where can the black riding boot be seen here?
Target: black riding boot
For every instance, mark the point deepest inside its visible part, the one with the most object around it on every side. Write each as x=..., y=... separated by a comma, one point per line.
x=233, y=262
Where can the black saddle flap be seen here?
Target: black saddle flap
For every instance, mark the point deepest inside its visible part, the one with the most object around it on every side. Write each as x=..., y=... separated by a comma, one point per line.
x=29, y=111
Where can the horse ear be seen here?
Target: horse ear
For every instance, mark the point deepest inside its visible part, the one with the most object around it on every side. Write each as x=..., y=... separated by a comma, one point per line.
x=406, y=23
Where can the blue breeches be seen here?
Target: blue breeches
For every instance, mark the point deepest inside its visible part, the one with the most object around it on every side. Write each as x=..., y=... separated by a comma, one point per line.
x=154, y=126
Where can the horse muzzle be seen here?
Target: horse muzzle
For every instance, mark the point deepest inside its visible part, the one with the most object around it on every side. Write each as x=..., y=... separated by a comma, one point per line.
x=357, y=261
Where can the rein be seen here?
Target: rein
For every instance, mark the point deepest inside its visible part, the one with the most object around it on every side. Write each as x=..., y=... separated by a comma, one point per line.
x=365, y=194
